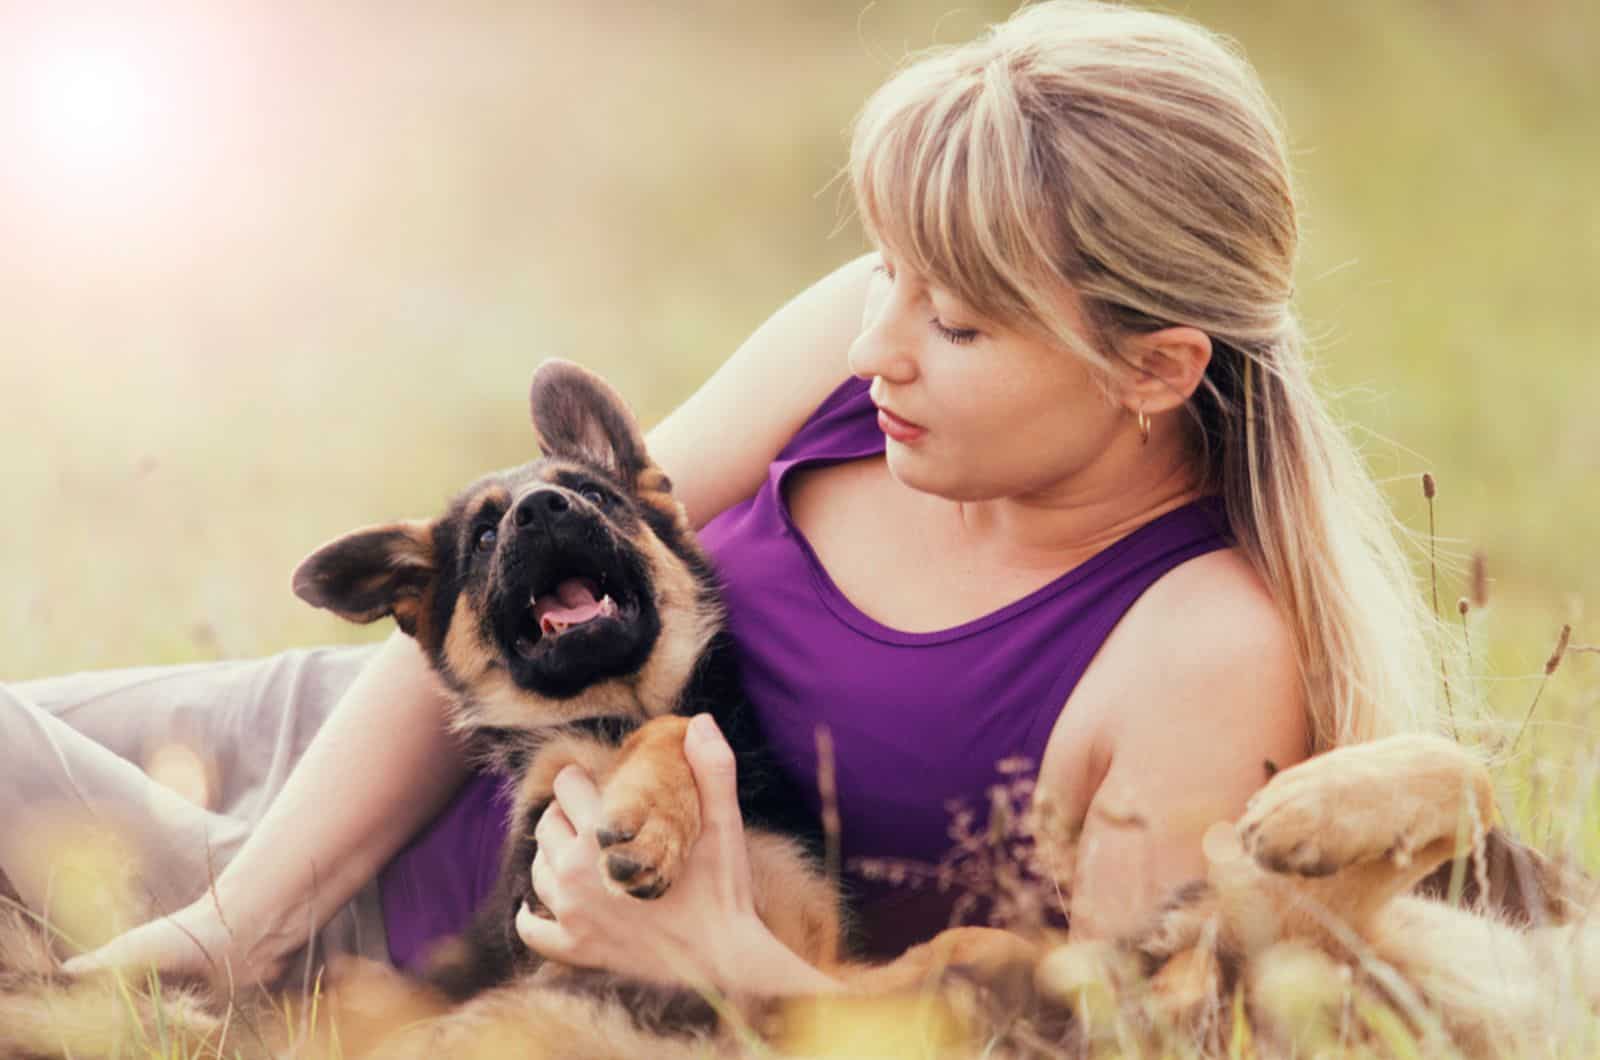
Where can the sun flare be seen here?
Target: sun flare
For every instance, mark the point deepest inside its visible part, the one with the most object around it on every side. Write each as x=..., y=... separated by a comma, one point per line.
x=95, y=102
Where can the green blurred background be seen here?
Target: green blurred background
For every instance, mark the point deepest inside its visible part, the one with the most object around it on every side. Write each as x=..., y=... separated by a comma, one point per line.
x=272, y=271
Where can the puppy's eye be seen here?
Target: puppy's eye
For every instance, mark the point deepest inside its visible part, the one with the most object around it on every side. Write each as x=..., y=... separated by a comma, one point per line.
x=595, y=496
x=487, y=536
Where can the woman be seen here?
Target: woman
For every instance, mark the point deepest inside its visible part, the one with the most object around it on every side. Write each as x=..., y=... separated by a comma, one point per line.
x=1044, y=477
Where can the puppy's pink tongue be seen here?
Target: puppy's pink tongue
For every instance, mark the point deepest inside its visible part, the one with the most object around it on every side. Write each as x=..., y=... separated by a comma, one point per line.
x=572, y=604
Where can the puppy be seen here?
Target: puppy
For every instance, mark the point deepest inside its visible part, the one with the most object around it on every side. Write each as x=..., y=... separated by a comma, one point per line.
x=572, y=618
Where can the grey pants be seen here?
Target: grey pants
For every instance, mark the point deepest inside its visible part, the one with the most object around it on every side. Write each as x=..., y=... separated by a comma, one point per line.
x=90, y=837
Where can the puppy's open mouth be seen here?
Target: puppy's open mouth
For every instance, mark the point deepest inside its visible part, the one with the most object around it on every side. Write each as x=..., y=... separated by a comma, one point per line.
x=566, y=605
x=572, y=604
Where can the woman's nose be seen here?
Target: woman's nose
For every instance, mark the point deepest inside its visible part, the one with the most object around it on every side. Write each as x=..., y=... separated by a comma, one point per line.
x=885, y=345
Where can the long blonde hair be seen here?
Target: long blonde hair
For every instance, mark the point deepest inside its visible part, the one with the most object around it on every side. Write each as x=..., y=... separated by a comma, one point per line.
x=1129, y=164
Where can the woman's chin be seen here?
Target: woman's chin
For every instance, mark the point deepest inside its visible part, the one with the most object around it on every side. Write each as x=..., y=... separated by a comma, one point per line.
x=917, y=471
x=910, y=469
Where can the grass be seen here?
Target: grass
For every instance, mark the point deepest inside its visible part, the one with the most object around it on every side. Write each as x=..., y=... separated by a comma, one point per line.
x=325, y=312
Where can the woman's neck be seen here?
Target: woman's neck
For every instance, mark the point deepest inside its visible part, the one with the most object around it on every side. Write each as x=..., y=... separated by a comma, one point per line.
x=1064, y=523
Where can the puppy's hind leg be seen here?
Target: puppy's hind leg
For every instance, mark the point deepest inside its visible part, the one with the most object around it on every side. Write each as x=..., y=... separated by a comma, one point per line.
x=1375, y=818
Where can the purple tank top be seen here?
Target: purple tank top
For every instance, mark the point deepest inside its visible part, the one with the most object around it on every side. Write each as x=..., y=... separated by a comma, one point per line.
x=429, y=890
x=925, y=727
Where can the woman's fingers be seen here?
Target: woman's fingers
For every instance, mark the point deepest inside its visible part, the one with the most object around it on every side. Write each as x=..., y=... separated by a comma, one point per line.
x=564, y=839
x=716, y=776
x=130, y=948
x=544, y=882
x=162, y=944
x=553, y=831
x=578, y=799
x=543, y=936
x=194, y=939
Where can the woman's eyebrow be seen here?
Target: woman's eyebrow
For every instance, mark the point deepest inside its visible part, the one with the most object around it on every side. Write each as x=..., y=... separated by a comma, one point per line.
x=958, y=305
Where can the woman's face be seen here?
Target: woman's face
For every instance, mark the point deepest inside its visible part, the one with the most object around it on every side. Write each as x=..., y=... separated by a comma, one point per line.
x=971, y=410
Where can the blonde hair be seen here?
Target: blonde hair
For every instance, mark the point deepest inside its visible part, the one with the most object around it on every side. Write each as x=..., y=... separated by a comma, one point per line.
x=1129, y=165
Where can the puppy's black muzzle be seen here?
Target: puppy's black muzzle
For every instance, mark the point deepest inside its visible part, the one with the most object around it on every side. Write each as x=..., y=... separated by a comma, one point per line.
x=546, y=509
x=551, y=537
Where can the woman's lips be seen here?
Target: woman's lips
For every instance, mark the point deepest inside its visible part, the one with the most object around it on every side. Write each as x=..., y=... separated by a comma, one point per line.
x=902, y=431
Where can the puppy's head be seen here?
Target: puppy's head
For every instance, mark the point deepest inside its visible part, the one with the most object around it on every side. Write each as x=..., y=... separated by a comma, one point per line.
x=566, y=587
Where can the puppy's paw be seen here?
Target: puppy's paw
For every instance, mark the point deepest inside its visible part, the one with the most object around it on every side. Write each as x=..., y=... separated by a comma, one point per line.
x=1387, y=799
x=643, y=851
x=649, y=812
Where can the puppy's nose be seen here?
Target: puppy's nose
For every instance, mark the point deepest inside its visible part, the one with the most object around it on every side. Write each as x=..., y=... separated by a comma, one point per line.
x=541, y=503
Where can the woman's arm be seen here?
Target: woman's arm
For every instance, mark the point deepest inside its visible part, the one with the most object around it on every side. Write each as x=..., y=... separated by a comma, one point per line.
x=379, y=768
x=716, y=446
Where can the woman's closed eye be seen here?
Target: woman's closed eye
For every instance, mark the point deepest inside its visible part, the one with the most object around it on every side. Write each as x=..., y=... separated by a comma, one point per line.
x=955, y=336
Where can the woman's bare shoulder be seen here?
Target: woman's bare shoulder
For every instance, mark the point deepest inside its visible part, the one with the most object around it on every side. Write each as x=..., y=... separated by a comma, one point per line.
x=1194, y=700
x=1187, y=603
x=1200, y=678
x=1208, y=642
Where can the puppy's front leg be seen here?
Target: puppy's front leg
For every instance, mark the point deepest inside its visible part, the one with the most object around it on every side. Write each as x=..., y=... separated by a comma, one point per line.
x=649, y=810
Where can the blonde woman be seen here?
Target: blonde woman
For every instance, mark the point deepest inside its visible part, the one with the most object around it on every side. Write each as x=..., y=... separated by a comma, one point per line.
x=1042, y=478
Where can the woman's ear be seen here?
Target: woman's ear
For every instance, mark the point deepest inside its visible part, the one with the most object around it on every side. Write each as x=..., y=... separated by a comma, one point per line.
x=1168, y=366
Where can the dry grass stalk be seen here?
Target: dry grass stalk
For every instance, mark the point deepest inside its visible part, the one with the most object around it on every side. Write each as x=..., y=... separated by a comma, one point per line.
x=1561, y=650
x=828, y=789
x=1478, y=591
x=1430, y=490
x=996, y=865
x=1550, y=666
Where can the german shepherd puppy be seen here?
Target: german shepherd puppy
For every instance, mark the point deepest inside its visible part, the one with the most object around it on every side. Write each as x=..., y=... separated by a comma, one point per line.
x=572, y=618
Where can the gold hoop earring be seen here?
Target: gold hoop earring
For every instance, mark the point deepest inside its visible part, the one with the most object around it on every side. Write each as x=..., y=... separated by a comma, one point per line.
x=1144, y=427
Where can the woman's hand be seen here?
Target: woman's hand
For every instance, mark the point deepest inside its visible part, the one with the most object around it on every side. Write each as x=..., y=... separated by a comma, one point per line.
x=704, y=930
x=196, y=940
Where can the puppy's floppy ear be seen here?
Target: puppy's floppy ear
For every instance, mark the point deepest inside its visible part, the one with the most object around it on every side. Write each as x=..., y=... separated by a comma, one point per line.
x=367, y=574
x=577, y=414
